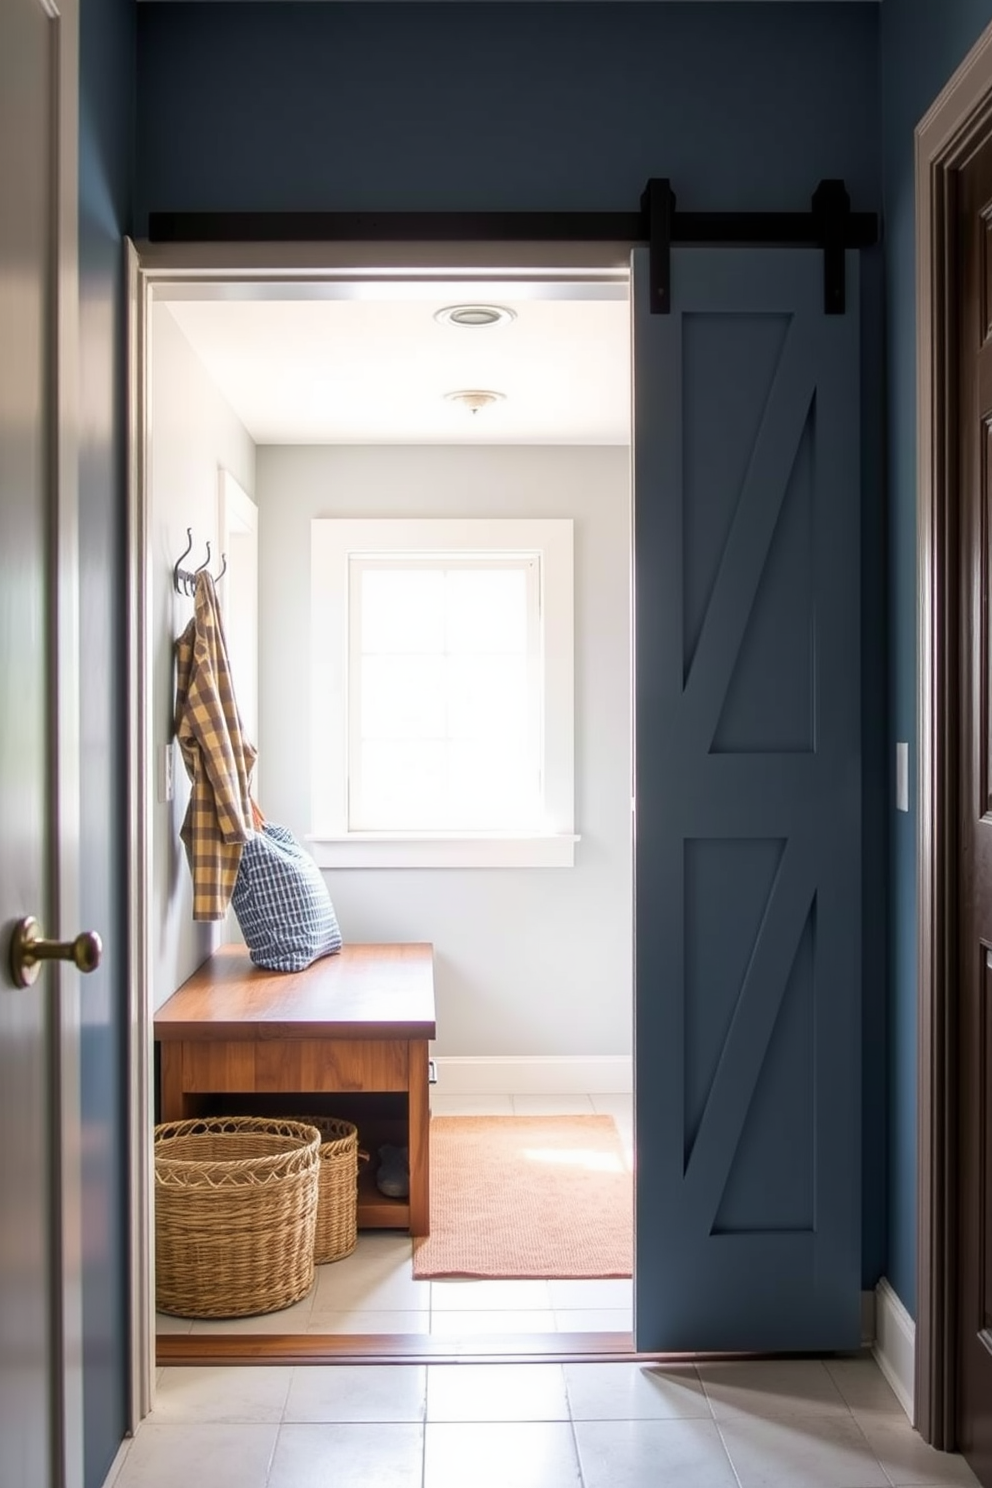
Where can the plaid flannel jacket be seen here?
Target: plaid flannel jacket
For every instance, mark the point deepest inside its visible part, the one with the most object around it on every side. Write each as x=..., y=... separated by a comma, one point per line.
x=217, y=756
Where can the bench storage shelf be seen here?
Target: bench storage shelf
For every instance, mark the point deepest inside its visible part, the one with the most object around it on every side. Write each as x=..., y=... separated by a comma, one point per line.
x=347, y=1037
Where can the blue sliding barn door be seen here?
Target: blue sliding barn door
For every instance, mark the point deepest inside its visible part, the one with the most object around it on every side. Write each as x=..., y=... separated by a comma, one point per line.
x=747, y=844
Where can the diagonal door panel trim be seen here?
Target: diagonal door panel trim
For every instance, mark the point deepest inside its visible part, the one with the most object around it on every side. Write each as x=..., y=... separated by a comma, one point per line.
x=750, y=1030
x=751, y=532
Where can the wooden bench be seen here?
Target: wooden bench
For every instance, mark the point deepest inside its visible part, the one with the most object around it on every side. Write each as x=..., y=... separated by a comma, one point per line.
x=354, y=1026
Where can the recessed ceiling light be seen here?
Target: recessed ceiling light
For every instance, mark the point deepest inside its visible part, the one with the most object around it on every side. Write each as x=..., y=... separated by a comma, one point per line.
x=475, y=398
x=475, y=315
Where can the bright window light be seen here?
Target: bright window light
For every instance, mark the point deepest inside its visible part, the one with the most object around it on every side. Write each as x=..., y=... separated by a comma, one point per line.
x=445, y=693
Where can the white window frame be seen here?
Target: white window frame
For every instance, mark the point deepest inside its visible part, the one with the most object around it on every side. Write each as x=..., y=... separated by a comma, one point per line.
x=334, y=541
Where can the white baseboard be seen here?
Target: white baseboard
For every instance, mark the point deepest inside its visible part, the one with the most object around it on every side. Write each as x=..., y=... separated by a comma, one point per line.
x=594, y=1074
x=895, y=1345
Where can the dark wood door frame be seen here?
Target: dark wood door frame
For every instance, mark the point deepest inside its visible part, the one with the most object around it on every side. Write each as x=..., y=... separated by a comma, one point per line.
x=957, y=123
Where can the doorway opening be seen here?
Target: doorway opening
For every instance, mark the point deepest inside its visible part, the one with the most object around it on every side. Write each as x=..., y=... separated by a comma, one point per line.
x=273, y=402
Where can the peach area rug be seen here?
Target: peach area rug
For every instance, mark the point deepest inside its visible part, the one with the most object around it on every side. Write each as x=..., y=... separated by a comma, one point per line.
x=517, y=1197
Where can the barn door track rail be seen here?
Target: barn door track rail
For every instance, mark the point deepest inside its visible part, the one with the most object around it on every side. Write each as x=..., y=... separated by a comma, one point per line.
x=829, y=225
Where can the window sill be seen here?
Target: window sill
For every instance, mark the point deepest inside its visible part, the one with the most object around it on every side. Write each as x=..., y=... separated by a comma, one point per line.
x=381, y=850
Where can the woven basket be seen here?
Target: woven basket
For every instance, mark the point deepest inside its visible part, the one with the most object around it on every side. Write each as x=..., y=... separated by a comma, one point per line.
x=235, y=1212
x=336, y=1233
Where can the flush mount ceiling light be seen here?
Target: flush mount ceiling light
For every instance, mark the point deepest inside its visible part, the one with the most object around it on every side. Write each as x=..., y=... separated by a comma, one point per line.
x=475, y=398
x=475, y=315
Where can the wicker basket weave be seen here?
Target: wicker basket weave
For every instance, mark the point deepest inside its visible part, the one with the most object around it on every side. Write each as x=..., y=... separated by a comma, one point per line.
x=336, y=1234
x=235, y=1212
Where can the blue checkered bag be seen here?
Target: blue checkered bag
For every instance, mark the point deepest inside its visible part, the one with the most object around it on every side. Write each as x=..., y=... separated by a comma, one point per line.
x=282, y=904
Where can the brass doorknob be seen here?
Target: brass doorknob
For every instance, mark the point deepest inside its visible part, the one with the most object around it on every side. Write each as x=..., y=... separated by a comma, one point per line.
x=28, y=949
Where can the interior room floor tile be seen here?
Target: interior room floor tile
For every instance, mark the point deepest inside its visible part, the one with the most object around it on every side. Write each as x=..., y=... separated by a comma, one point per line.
x=618, y=1104
x=634, y=1392
x=471, y=1105
x=518, y=1455
x=553, y=1105
x=493, y=1392
x=383, y=1245
x=653, y=1454
x=165, y=1323
x=348, y=1456
x=287, y=1320
x=219, y=1394
x=502, y=1320
x=593, y=1319
x=380, y=1246
x=208, y=1456
x=360, y=1320
x=373, y=1392
x=581, y=1294
x=371, y=1293
x=487, y=1296
x=378, y=1256
x=378, y=1273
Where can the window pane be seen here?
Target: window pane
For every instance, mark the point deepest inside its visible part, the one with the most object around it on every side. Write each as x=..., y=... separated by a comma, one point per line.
x=486, y=610
x=449, y=732
x=488, y=697
x=460, y=787
x=404, y=785
x=491, y=787
x=403, y=697
x=402, y=610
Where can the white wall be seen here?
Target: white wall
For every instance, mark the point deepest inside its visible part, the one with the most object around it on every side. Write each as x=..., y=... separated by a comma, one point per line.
x=528, y=961
x=193, y=433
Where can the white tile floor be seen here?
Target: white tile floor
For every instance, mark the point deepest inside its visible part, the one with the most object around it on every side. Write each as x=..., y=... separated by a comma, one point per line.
x=807, y=1423
x=373, y=1290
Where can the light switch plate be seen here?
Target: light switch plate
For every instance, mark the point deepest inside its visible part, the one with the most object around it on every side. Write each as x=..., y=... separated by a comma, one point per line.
x=902, y=777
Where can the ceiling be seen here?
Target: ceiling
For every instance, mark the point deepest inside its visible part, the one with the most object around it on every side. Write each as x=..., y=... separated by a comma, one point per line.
x=370, y=364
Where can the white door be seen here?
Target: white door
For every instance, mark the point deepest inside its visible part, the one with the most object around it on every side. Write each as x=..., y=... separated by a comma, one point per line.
x=40, y=1396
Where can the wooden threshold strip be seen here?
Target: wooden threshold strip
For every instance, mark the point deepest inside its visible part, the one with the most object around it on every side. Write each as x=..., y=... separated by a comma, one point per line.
x=394, y=1348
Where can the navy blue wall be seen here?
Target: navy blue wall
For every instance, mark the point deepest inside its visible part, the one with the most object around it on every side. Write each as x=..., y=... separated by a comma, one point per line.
x=556, y=106
x=922, y=44
x=107, y=60
x=494, y=106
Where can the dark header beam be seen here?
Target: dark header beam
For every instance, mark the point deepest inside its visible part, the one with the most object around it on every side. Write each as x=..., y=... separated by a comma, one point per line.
x=395, y=227
x=830, y=225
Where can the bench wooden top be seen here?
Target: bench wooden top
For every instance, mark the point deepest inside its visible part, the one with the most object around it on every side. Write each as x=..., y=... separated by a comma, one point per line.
x=363, y=992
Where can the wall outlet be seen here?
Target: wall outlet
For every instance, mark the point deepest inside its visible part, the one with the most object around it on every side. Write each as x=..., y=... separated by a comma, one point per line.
x=902, y=777
x=166, y=784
